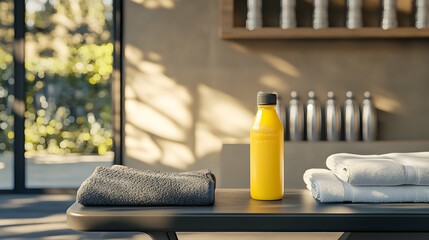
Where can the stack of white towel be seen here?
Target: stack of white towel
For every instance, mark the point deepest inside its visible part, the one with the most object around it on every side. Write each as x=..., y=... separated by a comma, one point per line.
x=393, y=177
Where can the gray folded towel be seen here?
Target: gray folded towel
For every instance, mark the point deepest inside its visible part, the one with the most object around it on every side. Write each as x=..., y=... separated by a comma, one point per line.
x=124, y=186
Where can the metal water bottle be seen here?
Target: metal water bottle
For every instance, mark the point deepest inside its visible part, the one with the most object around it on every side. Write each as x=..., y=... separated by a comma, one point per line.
x=354, y=14
x=422, y=14
x=333, y=118
x=313, y=118
x=295, y=118
x=287, y=14
x=351, y=118
x=254, y=14
x=320, y=15
x=369, y=119
x=389, y=18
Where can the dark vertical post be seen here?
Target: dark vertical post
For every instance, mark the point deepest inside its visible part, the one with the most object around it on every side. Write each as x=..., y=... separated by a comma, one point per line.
x=19, y=95
x=118, y=83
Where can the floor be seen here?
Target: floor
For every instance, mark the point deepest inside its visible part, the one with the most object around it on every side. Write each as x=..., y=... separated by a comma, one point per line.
x=43, y=217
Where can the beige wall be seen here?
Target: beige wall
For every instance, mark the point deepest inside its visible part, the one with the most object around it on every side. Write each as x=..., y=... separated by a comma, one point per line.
x=187, y=91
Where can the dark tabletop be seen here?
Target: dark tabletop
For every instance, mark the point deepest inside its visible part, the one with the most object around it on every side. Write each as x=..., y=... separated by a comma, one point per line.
x=234, y=210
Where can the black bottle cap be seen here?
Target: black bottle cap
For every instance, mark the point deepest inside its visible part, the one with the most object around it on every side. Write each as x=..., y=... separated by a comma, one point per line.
x=266, y=98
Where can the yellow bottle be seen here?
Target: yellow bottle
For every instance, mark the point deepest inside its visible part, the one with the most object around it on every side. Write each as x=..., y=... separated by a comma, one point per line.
x=266, y=151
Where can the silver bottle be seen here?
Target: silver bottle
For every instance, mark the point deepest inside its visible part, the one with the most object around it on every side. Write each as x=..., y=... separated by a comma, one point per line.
x=287, y=14
x=351, y=118
x=333, y=118
x=254, y=14
x=354, y=14
x=422, y=14
x=313, y=118
x=389, y=18
x=369, y=119
x=295, y=118
x=320, y=14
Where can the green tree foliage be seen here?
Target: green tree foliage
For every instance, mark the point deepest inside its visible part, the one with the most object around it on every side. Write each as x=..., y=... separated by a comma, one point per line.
x=69, y=57
x=6, y=75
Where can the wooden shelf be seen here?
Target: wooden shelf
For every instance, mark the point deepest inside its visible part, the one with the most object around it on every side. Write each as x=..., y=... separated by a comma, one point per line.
x=329, y=33
x=232, y=27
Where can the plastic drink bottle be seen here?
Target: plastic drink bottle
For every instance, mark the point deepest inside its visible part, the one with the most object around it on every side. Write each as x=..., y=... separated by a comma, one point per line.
x=266, y=151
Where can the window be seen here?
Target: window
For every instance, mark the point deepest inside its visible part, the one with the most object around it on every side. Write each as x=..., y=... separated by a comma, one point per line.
x=6, y=94
x=66, y=87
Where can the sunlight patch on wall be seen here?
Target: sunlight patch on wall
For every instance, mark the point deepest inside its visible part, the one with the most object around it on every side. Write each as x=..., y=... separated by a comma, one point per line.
x=281, y=65
x=140, y=145
x=176, y=155
x=223, y=115
x=173, y=108
x=206, y=142
x=160, y=125
x=130, y=93
x=150, y=68
x=238, y=47
x=149, y=119
x=148, y=83
x=155, y=4
x=153, y=56
x=159, y=119
x=387, y=104
x=173, y=102
x=133, y=54
x=274, y=82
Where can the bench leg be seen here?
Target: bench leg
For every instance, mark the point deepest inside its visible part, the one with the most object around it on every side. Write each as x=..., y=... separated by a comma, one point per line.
x=163, y=235
x=384, y=235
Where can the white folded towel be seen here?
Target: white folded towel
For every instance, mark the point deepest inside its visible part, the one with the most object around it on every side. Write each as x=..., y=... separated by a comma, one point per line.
x=326, y=187
x=385, y=170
